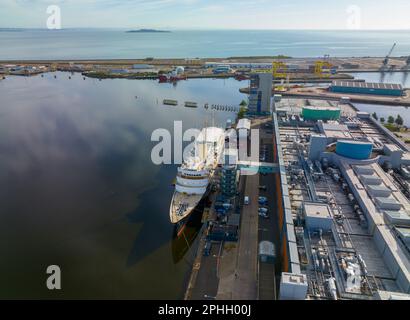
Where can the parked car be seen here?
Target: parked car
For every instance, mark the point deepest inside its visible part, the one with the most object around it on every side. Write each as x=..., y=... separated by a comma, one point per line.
x=263, y=215
x=263, y=201
x=246, y=201
x=263, y=188
x=263, y=210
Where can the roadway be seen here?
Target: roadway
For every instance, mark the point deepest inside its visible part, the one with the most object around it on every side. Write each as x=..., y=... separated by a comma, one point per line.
x=245, y=284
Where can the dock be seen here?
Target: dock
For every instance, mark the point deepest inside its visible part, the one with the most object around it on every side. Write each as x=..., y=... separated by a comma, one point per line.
x=190, y=104
x=299, y=70
x=170, y=102
x=233, y=270
x=320, y=93
x=323, y=94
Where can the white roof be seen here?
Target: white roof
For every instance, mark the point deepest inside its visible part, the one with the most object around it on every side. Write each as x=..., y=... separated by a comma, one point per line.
x=335, y=127
x=317, y=210
x=244, y=124
x=267, y=248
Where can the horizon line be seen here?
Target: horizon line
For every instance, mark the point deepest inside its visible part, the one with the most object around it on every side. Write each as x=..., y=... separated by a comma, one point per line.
x=199, y=29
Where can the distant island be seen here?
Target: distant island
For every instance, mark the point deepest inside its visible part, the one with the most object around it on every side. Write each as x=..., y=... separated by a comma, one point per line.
x=148, y=31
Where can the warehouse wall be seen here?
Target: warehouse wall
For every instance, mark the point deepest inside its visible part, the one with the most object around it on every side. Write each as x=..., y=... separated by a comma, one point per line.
x=382, y=92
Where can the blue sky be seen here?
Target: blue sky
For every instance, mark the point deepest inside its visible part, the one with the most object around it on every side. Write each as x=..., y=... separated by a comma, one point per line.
x=208, y=14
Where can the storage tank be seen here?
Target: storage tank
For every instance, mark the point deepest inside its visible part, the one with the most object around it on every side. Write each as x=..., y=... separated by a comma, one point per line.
x=354, y=149
x=180, y=70
x=321, y=113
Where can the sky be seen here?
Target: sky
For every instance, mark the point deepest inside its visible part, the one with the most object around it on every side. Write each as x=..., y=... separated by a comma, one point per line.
x=210, y=14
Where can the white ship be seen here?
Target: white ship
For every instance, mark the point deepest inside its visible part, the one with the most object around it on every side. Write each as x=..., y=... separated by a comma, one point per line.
x=195, y=175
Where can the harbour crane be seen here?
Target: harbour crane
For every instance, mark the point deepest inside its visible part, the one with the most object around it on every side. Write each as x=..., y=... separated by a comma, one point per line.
x=386, y=60
x=279, y=70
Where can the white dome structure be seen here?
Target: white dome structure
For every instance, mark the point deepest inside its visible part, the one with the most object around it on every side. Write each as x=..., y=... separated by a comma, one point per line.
x=180, y=70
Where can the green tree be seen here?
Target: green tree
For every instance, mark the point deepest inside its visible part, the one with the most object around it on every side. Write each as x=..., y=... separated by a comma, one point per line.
x=375, y=116
x=243, y=103
x=382, y=120
x=399, y=120
x=390, y=120
x=242, y=112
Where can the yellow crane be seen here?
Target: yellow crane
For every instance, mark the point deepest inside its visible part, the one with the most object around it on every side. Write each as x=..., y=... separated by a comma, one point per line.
x=279, y=70
x=322, y=68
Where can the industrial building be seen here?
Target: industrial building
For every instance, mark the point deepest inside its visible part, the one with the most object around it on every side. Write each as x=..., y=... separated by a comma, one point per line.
x=260, y=93
x=344, y=208
x=384, y=89
x=20, y=70
x=222, y=69
x=141, y=66
x=229, y=174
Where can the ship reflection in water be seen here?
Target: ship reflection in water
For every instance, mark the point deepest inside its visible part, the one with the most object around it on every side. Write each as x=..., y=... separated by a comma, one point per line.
x=79, y=188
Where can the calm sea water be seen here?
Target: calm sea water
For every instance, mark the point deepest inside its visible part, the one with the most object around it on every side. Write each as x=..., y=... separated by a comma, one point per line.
x=78, y=188
x=117, y=44
x=402, y=78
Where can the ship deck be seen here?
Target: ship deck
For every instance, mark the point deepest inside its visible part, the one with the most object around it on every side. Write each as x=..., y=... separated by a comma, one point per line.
x=182, y=205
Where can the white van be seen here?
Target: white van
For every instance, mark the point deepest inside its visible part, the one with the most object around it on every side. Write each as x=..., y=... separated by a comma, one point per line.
x=246, y=201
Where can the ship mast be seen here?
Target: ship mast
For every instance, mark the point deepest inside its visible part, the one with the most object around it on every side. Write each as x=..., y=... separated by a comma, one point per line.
x=206, y=138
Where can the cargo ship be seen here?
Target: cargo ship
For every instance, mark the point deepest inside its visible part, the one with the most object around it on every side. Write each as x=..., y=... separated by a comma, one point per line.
x=195, y=175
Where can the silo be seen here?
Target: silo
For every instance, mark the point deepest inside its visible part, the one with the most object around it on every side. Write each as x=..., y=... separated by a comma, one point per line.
x=319, y=113
x=354, y=149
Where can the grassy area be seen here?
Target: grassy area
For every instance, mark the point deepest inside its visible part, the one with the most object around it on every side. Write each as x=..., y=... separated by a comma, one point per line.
x=399, y=131
x=280, y=56
x=392, y=127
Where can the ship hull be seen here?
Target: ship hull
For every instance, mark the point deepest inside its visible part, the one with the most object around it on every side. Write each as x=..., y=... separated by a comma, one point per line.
x=180, y=226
